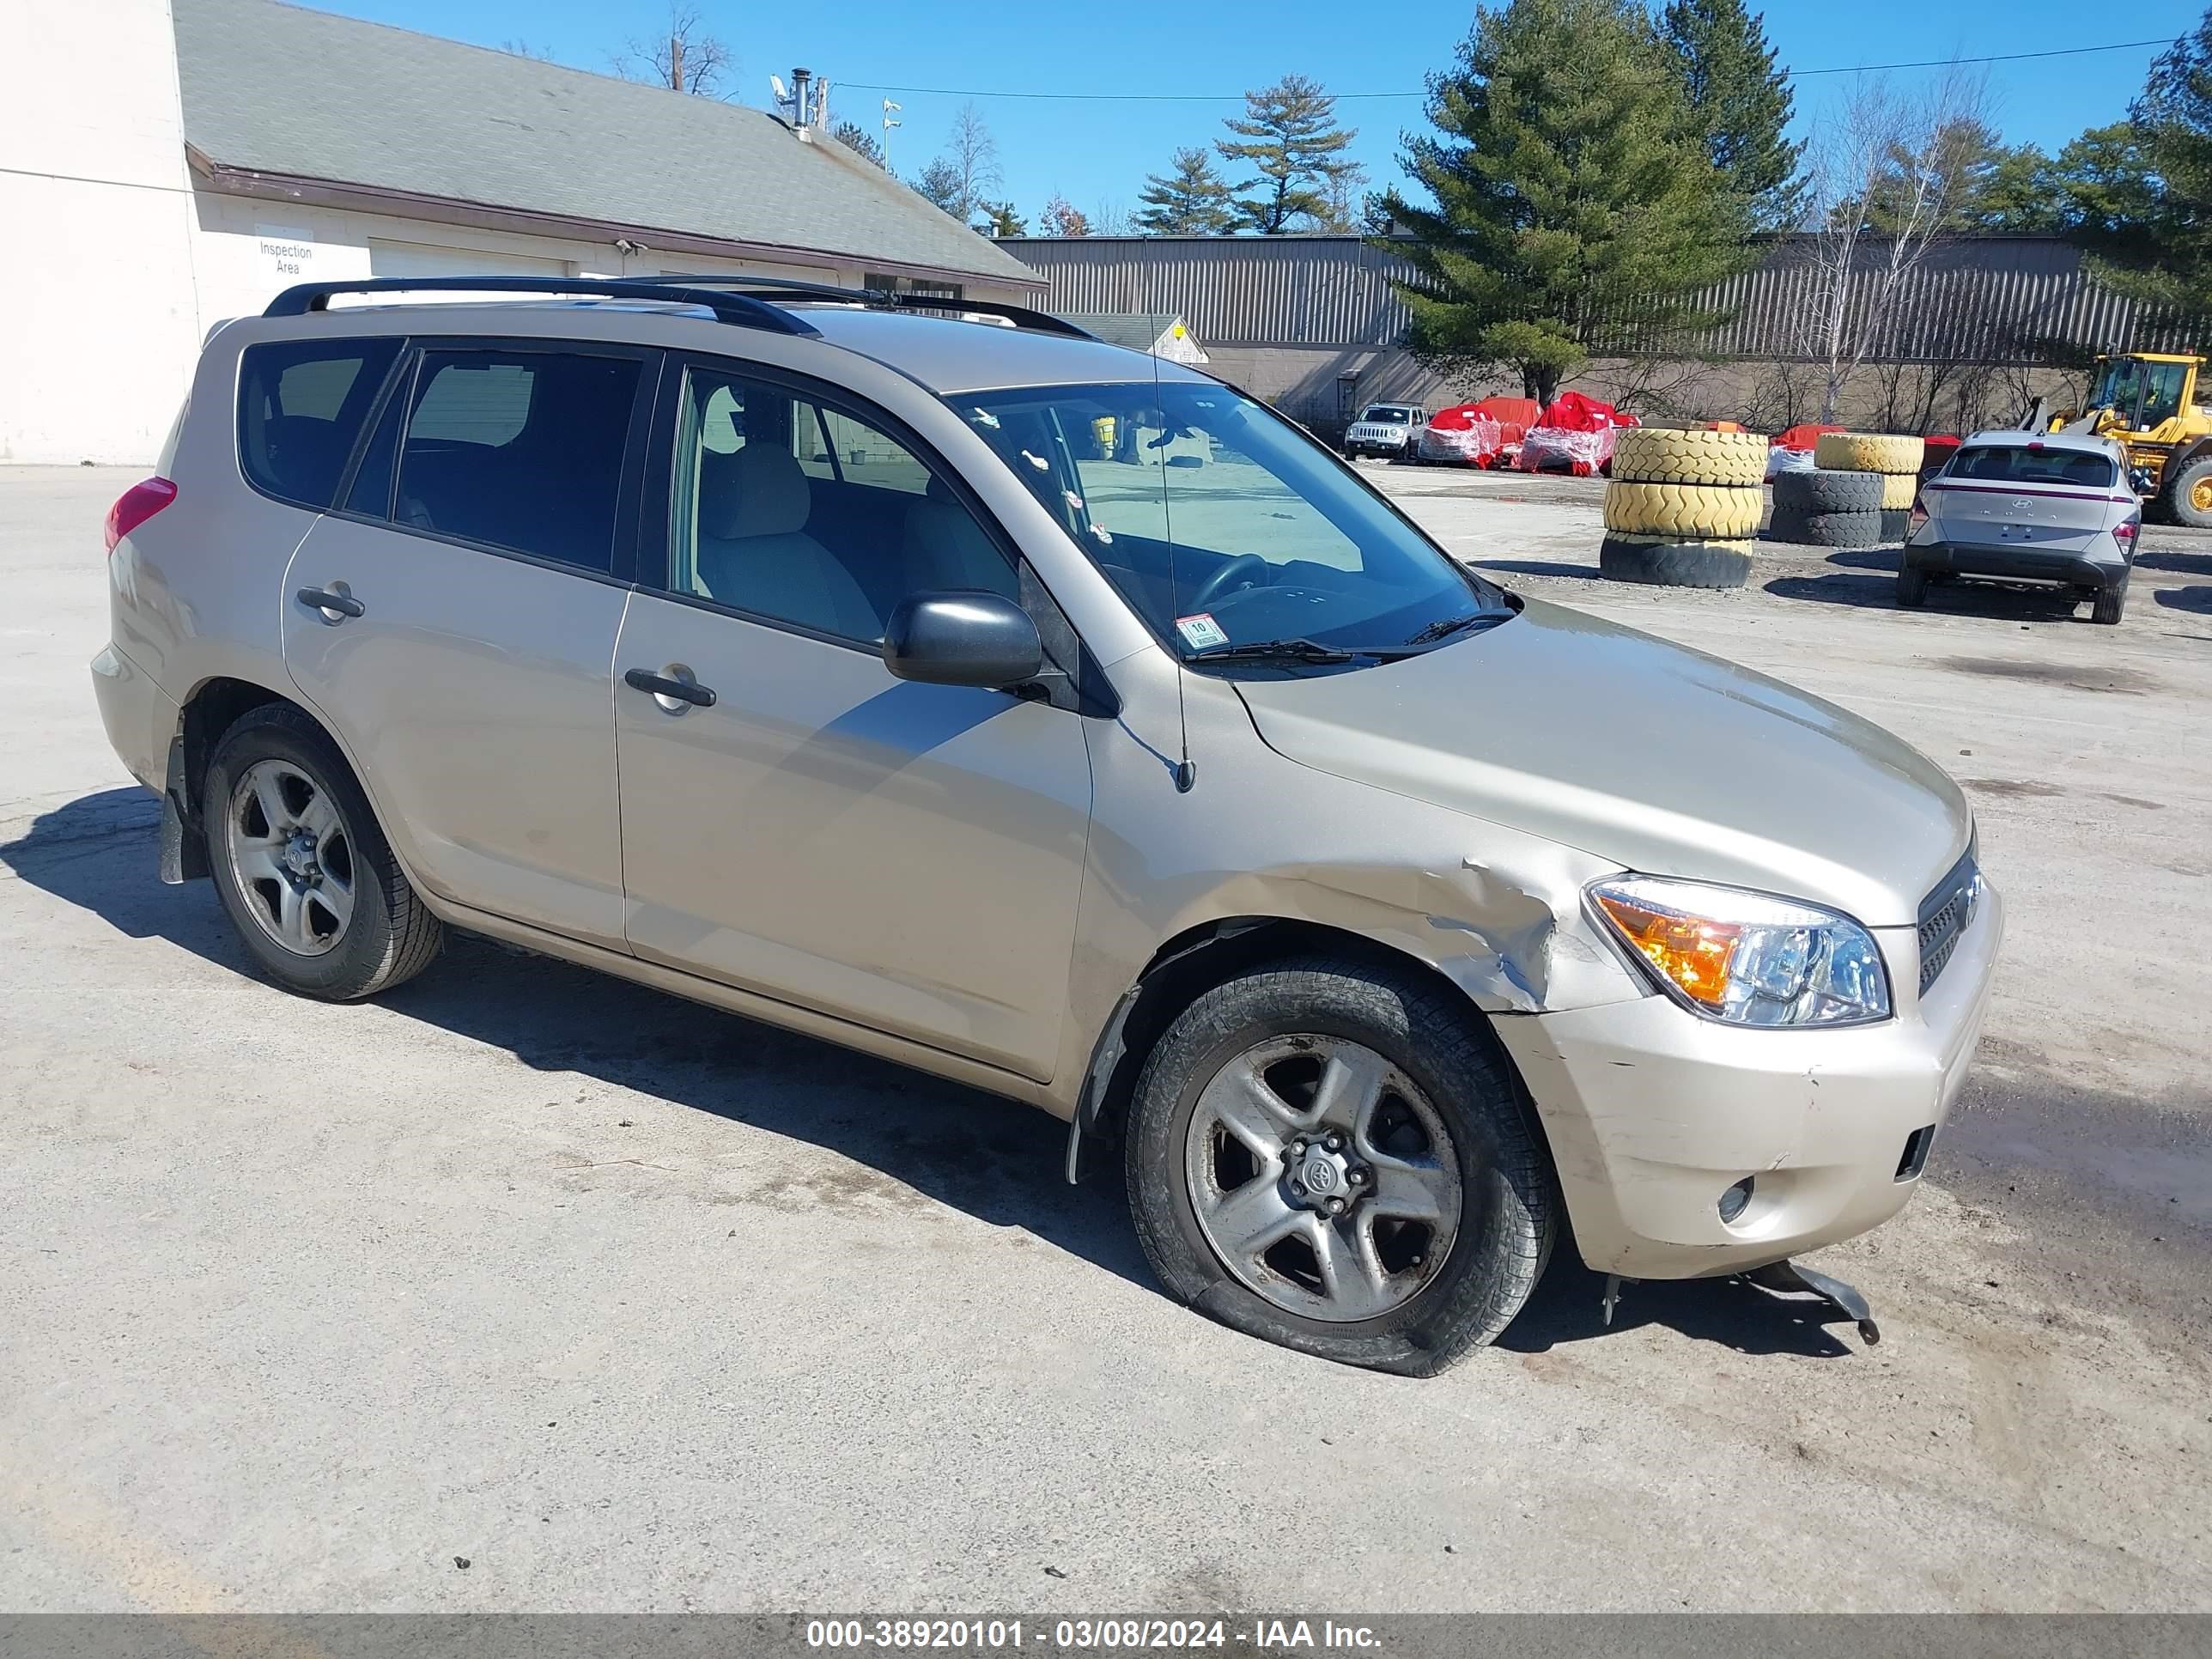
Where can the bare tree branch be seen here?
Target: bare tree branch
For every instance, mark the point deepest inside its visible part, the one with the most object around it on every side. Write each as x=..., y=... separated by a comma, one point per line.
x=684, y=57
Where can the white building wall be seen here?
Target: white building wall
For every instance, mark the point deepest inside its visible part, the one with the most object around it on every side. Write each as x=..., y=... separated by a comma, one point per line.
x=113, y=267
x=98, y=324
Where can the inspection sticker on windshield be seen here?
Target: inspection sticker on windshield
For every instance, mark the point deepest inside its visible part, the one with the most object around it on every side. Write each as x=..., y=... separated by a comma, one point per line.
x=1201, y=632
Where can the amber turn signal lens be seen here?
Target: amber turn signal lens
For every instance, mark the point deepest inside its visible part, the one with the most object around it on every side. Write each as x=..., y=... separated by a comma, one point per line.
x=1693, y=953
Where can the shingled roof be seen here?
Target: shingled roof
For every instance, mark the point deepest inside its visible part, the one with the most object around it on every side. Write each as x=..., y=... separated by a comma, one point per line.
x=274, y=89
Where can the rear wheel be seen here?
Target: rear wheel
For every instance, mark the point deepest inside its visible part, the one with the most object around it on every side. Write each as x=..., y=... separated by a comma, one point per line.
x=2110, y=603
x=1334, y=1157
x=2191, y=495
x=1912, y=588
x=304, y=871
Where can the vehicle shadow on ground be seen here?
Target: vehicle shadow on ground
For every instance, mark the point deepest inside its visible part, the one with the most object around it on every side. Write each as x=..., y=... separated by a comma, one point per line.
x=997, y=1160
x=1877, y=590
x=1569, y=1307
x=2198, y=600
x=1539, y=567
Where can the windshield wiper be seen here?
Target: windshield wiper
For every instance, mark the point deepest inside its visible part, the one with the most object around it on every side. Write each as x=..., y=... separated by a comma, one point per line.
x=1446, y=627
x=1275, y=651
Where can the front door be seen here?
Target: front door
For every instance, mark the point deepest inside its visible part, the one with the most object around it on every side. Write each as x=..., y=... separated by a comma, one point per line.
x=454, y=621
x=908, y=857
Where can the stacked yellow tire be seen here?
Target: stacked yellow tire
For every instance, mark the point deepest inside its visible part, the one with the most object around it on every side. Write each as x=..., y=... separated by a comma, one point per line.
x=1895, y=459
x=1682, y=506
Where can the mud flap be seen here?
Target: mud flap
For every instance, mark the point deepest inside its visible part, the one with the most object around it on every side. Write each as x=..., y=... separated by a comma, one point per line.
x=183, y=852
x=1788, y=1276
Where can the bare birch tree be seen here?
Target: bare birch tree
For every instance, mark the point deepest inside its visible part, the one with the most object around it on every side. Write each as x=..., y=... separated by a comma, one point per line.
x=1887, y=185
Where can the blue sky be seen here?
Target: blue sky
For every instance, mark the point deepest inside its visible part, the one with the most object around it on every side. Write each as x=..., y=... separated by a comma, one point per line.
x=1095, y=153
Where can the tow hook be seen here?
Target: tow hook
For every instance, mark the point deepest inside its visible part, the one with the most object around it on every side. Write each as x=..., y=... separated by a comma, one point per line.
x=1788, y=1276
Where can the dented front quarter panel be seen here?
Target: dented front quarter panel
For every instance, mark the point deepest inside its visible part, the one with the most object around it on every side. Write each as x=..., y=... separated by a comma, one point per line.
x=1498, y=911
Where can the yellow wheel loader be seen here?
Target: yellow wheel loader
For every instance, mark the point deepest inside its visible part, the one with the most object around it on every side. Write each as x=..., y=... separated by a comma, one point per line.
x=2146, y=403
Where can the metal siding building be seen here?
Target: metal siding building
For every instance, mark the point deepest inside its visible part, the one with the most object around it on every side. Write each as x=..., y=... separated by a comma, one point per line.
x=1992, y=300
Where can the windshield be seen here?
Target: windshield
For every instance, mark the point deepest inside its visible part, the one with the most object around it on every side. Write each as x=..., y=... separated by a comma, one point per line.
x=1389, y=414
x=2119, y=384
x=1223, y=525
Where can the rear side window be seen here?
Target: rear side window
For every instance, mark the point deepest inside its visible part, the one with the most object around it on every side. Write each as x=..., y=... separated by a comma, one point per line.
x=2017, y=464
x=301, y=404
x=518, y=450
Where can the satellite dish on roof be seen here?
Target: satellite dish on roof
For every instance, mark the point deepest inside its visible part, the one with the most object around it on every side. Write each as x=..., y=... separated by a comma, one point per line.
x=775, y=85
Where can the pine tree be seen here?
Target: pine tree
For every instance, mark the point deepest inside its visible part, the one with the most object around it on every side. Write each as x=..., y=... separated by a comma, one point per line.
x=999, y=219
x=940, y=184
x=858, y=139
x=1192, y=200
x=1741, y=101
x=1571, y=195
x=1289, y=133
x=2145, y=212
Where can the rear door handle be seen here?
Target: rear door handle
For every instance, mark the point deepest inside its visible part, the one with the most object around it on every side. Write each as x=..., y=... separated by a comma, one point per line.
x=674, y=689
x=336, y=601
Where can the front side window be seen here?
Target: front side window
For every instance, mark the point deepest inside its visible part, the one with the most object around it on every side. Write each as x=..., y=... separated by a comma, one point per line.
x=1223, y=526
x=518, y=450
x=301, y=405
x=2162, y=385
x=803, y=513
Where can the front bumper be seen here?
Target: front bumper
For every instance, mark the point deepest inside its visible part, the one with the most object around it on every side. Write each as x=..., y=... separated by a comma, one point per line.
x=1652, y=1112
x=1377, y=443
x=2016, y=563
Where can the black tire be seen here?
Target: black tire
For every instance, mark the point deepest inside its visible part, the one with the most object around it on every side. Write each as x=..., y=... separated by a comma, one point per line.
x=1508, y=1213
x=1895, y=522
x=390, y=937
x=1912, y=588
x=1829, y=529
x=2181, y=491
x=1674, y=564
x=1819, y=491
x=2111, y=603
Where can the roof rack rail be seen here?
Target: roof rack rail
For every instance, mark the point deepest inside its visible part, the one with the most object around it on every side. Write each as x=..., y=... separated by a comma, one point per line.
x=774, y=288
x=744, y=310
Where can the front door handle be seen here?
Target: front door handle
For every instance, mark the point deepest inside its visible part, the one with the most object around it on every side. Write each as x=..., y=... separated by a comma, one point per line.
x=673, y=689
x=336, y=601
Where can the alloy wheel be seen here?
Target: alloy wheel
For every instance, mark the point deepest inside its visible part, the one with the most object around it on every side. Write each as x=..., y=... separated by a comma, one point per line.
x=291, y=857
x=1322, y=1178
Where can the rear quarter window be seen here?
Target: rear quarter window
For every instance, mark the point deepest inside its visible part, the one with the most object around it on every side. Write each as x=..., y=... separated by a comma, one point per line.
x=2016, y=463
x=301, y=405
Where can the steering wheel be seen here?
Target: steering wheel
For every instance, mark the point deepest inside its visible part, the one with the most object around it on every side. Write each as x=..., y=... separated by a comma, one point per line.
x=1216, y=584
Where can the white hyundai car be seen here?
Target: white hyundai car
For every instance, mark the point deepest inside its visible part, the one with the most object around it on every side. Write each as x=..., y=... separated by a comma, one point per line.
x=2027, y=506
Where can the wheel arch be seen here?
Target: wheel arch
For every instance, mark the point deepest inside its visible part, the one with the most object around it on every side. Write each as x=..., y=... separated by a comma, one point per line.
x=1200, y=958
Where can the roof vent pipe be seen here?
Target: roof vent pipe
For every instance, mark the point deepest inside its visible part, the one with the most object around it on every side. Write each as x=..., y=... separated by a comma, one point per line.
x=802, y=97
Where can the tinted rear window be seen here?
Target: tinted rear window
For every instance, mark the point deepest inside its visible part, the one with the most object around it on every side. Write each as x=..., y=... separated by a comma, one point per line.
x=301, y=404
x=2016, y=463
x=520, y=450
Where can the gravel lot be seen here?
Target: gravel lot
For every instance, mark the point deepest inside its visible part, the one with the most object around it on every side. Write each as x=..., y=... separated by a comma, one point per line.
x=633, y=1305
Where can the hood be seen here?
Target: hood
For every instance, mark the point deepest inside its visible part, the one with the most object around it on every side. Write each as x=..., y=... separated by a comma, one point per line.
x=1661, y=758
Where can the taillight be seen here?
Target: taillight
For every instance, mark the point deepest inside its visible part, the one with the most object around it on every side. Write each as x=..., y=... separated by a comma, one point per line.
x=1917, y=518
x=134, y=506
x=2124, y=534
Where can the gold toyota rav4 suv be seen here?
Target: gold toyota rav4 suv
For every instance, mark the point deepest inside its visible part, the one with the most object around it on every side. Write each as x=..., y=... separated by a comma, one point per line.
x=1062, y=722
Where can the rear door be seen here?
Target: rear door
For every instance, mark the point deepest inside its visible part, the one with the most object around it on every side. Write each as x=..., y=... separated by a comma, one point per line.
x=2028, y=495
x=453, y=620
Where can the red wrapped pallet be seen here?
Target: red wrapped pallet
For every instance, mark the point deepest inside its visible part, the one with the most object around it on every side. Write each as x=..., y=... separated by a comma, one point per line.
x=1575, y=434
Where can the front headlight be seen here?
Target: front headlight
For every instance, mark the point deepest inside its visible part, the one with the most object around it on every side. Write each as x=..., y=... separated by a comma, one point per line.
x=1745, y=957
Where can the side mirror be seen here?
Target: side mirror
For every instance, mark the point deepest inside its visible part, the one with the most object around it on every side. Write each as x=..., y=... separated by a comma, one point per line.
x=962, y=638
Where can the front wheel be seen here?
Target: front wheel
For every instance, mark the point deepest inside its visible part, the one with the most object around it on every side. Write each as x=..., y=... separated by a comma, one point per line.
x=2189, y=496
x=1336, y=1157
x=301, y=866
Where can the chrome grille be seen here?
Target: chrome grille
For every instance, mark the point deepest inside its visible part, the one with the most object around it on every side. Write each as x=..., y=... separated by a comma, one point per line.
x=1944, y=915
